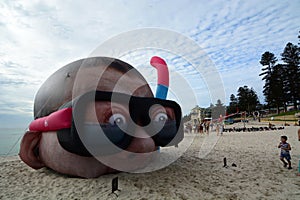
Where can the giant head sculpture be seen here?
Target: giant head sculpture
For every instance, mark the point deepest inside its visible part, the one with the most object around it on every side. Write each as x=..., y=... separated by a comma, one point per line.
x=97, y=109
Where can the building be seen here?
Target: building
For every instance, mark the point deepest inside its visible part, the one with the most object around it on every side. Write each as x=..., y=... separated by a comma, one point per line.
x=197, y=115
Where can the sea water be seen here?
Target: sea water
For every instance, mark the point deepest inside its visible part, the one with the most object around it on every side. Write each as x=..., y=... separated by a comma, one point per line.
x=10, y=139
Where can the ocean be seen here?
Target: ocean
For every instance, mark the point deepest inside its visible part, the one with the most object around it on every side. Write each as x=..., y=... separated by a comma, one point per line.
x=10, y=139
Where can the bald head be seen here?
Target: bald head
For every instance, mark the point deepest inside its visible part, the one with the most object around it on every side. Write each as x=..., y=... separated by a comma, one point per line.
x=90, y=74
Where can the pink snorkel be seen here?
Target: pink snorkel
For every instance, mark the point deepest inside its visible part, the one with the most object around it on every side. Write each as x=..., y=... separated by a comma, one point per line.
x=162, y=77
x=58, y=120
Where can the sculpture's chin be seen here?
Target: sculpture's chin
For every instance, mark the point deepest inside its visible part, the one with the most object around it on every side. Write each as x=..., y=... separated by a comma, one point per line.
x=130, y=163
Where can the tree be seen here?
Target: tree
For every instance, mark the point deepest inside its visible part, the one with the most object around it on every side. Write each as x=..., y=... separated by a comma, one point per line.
x=268, y=61
x=218, y=109
x=277, y=94
x=247, y=99
x=233, y=104
x=291, y=57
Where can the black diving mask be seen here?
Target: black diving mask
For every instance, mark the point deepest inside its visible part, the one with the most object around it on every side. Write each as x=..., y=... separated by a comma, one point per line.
x=104, y=123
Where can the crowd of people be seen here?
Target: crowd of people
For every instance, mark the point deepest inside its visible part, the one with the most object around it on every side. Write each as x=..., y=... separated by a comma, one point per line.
x=204, y=128
x=219, y=127
x=252, y=129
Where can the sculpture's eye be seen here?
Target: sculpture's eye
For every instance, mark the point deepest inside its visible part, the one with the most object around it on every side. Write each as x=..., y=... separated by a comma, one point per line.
x=117, y=119
x=161, y=117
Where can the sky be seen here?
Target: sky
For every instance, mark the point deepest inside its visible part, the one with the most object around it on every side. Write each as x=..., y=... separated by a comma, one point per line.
x=39, y=37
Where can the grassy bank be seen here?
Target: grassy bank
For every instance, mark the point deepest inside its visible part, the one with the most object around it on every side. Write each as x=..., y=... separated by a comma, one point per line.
x=286, y=113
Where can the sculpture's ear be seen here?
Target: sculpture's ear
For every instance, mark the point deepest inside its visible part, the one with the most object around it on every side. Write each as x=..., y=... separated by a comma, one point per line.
x=29, y=149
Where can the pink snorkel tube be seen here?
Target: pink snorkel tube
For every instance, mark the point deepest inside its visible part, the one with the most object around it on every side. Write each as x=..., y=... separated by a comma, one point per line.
x=162, y=78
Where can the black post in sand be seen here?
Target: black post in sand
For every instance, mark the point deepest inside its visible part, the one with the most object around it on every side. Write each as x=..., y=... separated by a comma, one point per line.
x=114, y=185
x=225, y=162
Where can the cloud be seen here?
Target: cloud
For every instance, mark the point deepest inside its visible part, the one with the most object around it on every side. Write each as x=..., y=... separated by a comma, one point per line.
x=241, y=32
x=39, y=37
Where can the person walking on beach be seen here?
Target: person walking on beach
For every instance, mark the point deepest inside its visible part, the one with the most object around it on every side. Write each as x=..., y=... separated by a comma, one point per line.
x=285, y=152
x=217, y=128
x=207, y=127
x=201, y=128
x=221, y=124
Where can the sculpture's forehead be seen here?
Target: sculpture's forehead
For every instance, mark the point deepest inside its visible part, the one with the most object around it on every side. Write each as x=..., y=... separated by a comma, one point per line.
x=78, y=78
x=110, y=79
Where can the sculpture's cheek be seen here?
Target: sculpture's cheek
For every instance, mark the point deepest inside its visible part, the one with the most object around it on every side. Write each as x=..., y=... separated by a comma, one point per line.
x=60, y=160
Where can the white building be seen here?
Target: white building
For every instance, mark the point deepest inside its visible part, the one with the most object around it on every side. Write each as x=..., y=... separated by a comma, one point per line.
x=197, y=115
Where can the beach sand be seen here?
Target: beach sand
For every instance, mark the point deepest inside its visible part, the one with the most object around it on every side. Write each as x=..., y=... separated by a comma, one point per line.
x=259, y=174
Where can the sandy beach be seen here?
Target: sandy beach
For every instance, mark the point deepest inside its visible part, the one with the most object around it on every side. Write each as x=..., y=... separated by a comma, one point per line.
x=259, y=174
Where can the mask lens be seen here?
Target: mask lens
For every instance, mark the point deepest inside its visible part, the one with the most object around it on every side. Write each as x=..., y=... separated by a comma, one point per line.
x=103, y=126
x=165, y=123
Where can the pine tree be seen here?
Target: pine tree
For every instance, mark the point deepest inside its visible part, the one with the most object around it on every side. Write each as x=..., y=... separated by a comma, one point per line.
x=291, y=58
x=218, y=109
x=247, y=99
x=277, y=91
x=268, y=61
x=233, y=104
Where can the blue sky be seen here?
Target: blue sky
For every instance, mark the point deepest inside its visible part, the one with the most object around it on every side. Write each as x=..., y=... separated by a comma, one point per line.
x=39, y=37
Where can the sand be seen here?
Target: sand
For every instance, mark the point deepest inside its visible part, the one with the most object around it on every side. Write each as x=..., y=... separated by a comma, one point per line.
x=259, y=174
